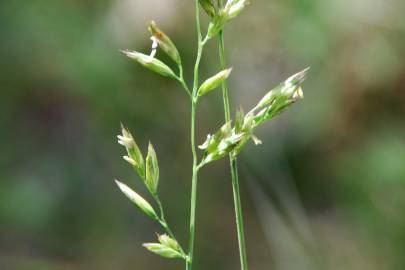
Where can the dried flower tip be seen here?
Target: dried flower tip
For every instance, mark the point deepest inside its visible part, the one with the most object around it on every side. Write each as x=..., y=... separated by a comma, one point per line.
x=164, y=42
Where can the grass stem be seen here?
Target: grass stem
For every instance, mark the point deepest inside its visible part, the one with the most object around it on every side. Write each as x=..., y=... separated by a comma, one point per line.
x=194, y=181
x=233, y=164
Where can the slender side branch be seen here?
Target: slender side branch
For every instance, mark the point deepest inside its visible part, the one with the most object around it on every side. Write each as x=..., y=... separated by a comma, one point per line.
x=182, y=81
x=162, y=221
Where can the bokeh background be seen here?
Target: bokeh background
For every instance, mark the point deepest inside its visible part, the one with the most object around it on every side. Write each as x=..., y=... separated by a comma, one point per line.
x=326, y=190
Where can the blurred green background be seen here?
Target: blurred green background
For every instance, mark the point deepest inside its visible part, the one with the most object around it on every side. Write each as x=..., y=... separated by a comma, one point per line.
x=326, y=190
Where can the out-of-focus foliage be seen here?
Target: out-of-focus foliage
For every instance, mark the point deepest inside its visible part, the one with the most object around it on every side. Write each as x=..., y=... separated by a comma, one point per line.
x=326, y=190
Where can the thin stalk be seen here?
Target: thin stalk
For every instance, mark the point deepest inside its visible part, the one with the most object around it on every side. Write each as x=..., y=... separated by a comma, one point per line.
x=193, y=189
x=164, y=224
x=233, y=164
x=183, y=83
x=193, y=201
x=238, y=213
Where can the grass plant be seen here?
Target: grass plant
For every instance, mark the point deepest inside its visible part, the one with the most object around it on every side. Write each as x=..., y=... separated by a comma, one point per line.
x=226, y=141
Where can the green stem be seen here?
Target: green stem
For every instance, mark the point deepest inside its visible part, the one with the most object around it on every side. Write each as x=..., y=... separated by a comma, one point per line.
x=225, y=95
x=163, y=222
x=234, y=165
x=183, y=83
x=193, y=190
x=193, y=201
x=238, y=213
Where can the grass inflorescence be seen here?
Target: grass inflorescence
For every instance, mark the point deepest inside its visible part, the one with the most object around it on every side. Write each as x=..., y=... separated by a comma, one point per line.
x=228, y=140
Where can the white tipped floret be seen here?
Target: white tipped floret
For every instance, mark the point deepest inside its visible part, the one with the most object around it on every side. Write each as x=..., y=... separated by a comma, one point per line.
x=125, y=141
x=237, y=7
x=205, y=144
x=234, y=7
x=130, y=160
x=298, y=94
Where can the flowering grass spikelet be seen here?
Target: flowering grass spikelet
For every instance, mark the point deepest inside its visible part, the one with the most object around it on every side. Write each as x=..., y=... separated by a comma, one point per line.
x=213, y=82
x=290, y=88
x=164, y=42
x=151, y=63
x=162, y=250
x=167, y=241
x=152, y=170
x=140, y=202
x=230, y=140
x=134, y=156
